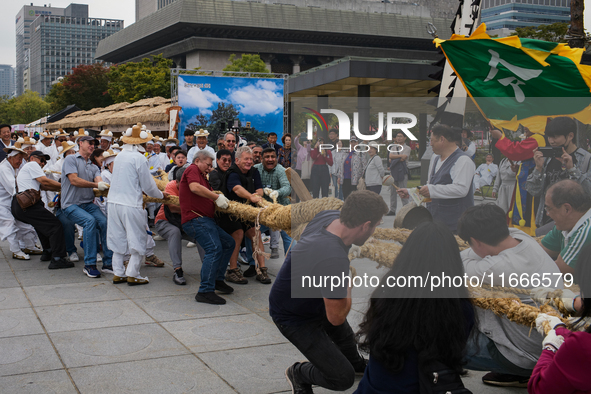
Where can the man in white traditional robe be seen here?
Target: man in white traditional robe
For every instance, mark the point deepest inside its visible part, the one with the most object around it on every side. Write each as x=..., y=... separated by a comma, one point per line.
x=19, y=235
x=485, y=173
x=126, y=233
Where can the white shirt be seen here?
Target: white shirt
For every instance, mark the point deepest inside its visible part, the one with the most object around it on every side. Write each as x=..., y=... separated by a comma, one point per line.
x=471, y=149
x=193, y=151
x=130, y=177
x=153, y=162
x=27, y=176
x=7, y=183
x=526, y=258
x=461, y=172
x=487, y=171
x=164, y=160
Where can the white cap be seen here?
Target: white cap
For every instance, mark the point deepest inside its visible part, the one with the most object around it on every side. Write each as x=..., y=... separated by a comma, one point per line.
x=106, y=138
x=170, y=144
x=150, y=142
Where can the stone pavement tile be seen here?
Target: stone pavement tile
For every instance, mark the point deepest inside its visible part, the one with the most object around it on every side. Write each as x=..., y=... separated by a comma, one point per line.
x=227, y=332
x=13, y=298
x=254, y=370
x=32, y=353
x=115, y=344
x=266, y=316
x=171, y=308
x=18, y=322
x=25, y=265
x=54, y=277
x=90, y=316
x=4, y=266
x=253, y=296
x=161, y=286
x=38, y=383
x=74, y=293
x=181, y=374
x=8, y=280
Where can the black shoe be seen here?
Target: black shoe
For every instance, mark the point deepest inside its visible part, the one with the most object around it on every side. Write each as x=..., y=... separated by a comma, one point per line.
x=223, y=287
x=360, y=367
x=178, y=277
x=46, y=255
x=210, y=298
x=296, y=386
x=250, y=271
x=505, y=380
x=274, y=253
x=59, y=263
x=391, y=213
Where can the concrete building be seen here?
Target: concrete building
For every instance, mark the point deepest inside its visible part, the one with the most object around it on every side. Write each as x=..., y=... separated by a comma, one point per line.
x=24, y=18
x=6, y=80
x=503, y=16
x=204, y=33
x=60, y=43
x=424, y=8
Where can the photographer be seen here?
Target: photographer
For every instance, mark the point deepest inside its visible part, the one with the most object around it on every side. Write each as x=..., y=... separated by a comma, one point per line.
x=572, y=164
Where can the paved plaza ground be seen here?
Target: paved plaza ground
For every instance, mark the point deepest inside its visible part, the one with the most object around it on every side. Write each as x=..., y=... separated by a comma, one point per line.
x=62, y=332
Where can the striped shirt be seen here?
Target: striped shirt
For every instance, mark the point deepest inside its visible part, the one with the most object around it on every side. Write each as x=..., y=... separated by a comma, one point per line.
x=570, y=243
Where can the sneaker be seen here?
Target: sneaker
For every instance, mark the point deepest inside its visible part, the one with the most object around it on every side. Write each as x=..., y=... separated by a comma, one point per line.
x=296, y=386
x=235, y=276
x=223, y=287
x=250, y=271
x=34, y=251
x=99, y=258
x=107, y=269
x=74, y=257
x=191, y=245
x=59, y=263
x=154, y=261
x=91, y=271
x=158, y=238
x=20, y=255
x=263, y=277
x=131, y=281
x=178, y=277
x=505, y=380
x=119, y=279
x=274, y=253
x=46, y=256
x=210, y=298
x=391, y=213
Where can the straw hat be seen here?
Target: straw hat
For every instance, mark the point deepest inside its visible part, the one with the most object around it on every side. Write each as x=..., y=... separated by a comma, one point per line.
x=14, y=148
x=65, y=146
x=115, y=148
x=45, y=134
x=80, y=133
x=135, y=135
x=106, y=135
x=109, y=156
x=60, y=133
x=201, y=133
x=171, y=141
x=26, y=141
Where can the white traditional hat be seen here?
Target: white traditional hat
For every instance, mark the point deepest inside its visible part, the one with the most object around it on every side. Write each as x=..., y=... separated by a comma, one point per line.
x=171, y=142
x=16, y=147
x=109, y=156
x=106, y=135
x=80, y=133
x=45, y=134
x=135, y=136
x=27, y=141
x=60, y=133
x=116, y=148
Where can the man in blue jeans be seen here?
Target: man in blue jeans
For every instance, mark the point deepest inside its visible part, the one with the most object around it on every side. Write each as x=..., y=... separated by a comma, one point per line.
x=314, y=319
x=79, y=177
x=198, y=202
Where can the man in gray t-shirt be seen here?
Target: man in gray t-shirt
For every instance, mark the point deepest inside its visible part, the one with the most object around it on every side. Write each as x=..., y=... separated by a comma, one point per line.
x=79, y=177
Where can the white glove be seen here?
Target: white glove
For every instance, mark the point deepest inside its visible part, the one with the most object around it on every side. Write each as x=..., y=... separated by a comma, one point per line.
x=355, y=251
x=553, y=340
x=540, y=295
x=267, y=191
x=552, y=320
x=222, y=201
x=274, y=195
x=103, y=186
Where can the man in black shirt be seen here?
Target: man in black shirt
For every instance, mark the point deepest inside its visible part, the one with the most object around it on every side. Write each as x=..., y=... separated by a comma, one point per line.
x=314, y=318
x=224, y=161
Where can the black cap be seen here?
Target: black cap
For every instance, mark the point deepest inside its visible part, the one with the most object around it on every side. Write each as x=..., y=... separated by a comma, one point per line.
x=41, y=154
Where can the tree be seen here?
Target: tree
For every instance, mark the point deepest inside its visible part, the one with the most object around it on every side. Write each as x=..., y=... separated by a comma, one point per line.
x=248, y=63
x=87, y=87
x=555, y=32
x=224, y=113
x=25, y=108
x=132, y=82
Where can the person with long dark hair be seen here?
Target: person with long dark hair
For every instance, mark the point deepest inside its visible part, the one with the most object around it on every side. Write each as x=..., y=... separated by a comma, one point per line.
x=408, y=327
x=563, y=366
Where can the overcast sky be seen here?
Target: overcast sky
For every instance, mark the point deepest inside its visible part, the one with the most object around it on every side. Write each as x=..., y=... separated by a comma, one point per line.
x=114, y=9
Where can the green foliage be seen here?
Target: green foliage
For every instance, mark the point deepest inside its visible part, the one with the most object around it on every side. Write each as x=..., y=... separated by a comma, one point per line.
x=86, y=87
x=248, y=63
x=555, y=32
x=25, y=108
x=132, y=82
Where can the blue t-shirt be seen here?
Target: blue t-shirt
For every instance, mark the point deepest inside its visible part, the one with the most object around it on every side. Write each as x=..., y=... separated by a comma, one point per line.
x=319, y=253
